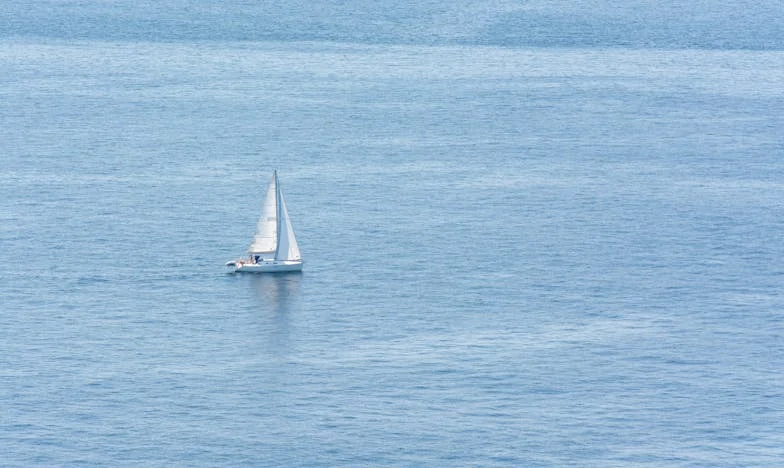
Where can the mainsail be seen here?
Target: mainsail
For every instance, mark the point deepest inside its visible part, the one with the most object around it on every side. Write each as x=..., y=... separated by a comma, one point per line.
x=266, y=239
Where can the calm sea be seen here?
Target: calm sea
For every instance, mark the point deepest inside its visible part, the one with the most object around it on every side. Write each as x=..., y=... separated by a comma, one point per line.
x=539, y=234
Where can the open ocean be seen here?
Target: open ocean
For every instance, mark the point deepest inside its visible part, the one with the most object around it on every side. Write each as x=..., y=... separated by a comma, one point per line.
x=535, y=233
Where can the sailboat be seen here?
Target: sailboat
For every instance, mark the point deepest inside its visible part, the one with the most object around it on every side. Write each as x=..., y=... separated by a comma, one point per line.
x=274, y=247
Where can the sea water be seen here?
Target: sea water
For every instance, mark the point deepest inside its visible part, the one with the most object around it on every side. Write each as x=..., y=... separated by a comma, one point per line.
x=534, y=235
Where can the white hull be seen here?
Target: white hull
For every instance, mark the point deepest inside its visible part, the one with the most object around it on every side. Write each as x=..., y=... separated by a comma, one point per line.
x=272, y=266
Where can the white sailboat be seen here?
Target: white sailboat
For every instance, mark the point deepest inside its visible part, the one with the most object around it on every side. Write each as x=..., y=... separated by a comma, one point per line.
x=274, y=247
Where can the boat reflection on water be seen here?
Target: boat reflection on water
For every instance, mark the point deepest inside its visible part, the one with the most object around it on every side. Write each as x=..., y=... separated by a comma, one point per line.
x=276, y=291
x=276, y=296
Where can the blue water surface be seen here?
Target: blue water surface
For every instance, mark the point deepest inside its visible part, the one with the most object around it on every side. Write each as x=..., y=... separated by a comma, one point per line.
x=541, y=234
